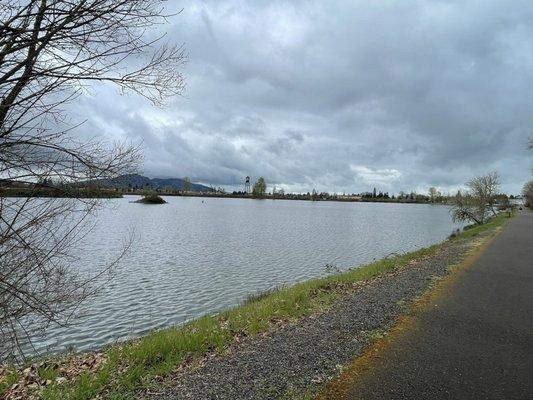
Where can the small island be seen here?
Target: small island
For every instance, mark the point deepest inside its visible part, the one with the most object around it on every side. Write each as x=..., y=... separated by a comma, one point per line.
x=151, y=198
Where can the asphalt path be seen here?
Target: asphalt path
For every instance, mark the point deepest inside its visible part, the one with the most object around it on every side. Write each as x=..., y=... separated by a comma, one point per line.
x=475, y=341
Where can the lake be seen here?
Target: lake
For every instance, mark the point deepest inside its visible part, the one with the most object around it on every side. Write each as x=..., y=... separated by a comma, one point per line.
x=195, y=256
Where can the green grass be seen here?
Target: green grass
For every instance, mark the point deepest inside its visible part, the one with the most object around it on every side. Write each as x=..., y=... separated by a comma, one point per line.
x=135, y=364
x=47, y=372
x=10, y=378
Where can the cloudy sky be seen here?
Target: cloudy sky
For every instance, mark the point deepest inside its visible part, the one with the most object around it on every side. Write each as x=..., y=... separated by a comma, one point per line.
x=339, y=95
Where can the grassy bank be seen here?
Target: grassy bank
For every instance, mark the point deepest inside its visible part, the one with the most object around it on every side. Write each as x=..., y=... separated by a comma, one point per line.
x=145, y=362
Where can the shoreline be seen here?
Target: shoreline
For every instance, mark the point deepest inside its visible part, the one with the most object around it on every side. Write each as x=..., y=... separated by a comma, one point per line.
x=297, y=197
x=117, y=194
x=137, y=364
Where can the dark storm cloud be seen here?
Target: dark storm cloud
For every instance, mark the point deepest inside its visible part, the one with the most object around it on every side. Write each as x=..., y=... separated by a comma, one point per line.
x=340, y=95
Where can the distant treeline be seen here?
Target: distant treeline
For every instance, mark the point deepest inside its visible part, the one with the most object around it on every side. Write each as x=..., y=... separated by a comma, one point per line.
x=309, y=196
x=48, y=189
x=91, y=190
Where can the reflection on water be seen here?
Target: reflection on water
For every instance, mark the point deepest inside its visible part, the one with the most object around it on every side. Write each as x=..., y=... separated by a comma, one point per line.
x=194, y=256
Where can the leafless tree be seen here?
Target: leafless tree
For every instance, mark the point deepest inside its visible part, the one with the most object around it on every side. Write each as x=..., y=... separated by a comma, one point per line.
x=479, y=201
x=52, y=52
x=527, y=192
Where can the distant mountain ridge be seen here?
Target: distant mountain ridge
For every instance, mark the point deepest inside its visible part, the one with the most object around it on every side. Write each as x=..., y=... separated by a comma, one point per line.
x=136, y=181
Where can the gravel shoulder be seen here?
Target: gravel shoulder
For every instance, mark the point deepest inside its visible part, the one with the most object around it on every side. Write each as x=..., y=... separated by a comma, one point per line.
x=295, y=361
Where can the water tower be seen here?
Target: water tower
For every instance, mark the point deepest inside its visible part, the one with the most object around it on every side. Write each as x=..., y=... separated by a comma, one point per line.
x=247, y=185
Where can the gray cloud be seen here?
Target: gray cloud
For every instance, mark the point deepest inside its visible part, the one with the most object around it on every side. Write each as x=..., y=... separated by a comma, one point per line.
x=340, y=95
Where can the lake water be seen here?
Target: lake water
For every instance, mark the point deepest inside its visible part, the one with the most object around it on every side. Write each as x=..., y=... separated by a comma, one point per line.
x=195, y=256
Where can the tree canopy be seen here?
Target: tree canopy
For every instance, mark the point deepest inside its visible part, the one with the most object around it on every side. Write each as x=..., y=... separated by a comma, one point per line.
x=259, y=188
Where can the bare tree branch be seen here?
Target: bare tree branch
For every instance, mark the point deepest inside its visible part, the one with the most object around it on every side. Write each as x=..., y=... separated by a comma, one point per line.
x=479, y=201
x=51, y=52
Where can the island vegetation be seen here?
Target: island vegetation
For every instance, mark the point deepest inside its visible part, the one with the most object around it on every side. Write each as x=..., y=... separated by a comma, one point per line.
x=150, y=197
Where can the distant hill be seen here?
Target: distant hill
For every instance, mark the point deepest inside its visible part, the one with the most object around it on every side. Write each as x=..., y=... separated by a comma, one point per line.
x=136, y=181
